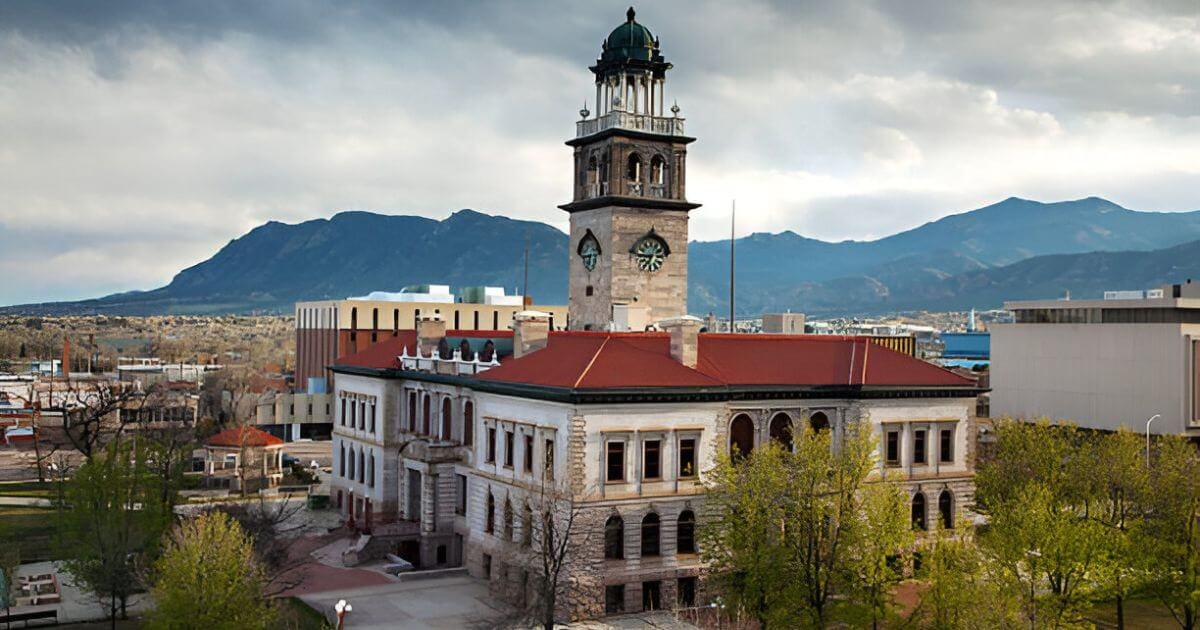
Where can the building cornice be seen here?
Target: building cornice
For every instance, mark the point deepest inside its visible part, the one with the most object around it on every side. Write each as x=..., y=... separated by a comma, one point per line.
x=628, y=202
x=668, y=394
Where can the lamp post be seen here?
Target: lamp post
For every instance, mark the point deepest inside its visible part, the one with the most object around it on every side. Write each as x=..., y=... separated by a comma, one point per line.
x=1152, y=419
x=342, y=608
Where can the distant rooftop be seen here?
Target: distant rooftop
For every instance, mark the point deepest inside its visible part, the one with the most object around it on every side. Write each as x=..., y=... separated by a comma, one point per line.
x=1172, y=303
x=440, y=294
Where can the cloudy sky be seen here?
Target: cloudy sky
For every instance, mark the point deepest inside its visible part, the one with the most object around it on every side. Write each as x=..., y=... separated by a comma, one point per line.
x=137, y=138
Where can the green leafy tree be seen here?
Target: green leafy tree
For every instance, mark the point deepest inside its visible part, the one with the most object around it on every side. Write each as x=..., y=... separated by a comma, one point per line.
x=1174, y=531
x=886, y=532
x=962, y=589
x=208, y=577
x=112, y=524
x=786, y=534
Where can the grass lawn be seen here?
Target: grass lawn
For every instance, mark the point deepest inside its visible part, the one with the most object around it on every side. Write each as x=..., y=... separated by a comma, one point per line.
x=47, y=490
x=30, y=530
x=1139, y=613
x=296, y=615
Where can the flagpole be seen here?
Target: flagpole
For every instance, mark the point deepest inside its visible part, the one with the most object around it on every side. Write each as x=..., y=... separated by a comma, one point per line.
x=732, y=234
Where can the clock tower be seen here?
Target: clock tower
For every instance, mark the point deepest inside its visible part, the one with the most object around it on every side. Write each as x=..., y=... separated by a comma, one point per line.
x=629, y=216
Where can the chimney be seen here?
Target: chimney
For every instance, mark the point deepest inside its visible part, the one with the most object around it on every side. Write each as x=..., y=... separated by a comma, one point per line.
x=685, y=335
x=430, y=332
x=531, y=332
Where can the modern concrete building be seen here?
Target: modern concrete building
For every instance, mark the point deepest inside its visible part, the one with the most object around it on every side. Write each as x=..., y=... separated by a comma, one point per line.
x=448, y=442
x=326, y=330
x=1102, y=363
x=783, y=323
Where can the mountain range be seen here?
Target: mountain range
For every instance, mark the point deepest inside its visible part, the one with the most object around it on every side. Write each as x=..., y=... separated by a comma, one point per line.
x=1014, y=249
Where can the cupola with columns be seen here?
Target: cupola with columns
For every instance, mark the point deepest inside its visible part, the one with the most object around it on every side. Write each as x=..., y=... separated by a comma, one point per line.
x=629, y=213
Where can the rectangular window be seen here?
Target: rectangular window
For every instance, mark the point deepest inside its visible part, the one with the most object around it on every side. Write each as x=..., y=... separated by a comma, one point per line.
x=528, y=453
x=461, y=508
x=372, y=417
x=549, y=459
x=342, y=417
x=919, y=446
x=342, y=460
x=616, y=461
x=508, y=449
x=892, y=454
x=614, y=599
x=491, y=446
x=362, y=415
x=487, y=565
x=946, y=446
x=687, y=458
x=687, y=592
x=652, y=459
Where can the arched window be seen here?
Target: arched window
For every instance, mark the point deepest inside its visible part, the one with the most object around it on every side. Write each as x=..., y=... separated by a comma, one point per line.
x=946, y=509
x=614, y=538
x=650, y=535
x=781, y=430
x=371, y=469
x=658, y=168
x=395, y=322
x=741, y=436
x=488, y=352
x=818, y=421
x=527, y=526
x=446, y=418
x=354, y=319
x=426, y=421
x=489, y=524
x=342, y=459
x=469, y=423
x=633, y=169
x=362, y=466
x=918, y=511
x=350, y=465
x=412, y=411
x=374, y=325
x=685, y=532
x=508, y=520
x=445, y=352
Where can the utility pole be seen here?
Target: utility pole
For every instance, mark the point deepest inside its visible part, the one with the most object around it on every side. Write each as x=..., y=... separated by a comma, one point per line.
x=732, y=234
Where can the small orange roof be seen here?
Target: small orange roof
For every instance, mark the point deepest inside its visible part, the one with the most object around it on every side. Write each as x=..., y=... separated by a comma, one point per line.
x=243, y=436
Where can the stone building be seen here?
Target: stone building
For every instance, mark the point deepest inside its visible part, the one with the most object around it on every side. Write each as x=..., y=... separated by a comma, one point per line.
x=447, y=443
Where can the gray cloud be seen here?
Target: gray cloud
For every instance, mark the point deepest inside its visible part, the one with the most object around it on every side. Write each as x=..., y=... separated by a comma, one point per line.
x=136, y=138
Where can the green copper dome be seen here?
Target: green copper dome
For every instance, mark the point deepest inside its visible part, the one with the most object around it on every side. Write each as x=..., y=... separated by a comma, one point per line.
x=629, y=41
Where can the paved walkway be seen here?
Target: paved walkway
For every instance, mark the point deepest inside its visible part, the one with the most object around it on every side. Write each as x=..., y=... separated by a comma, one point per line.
x=77, y=605
x=452, y=602
x=25, y=502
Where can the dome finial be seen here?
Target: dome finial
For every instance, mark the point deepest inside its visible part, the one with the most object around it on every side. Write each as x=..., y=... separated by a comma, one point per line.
x=629, y=14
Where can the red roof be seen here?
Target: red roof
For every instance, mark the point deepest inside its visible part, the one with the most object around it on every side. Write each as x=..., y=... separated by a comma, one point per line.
x=586, y=360
x=583, y=360
x=608, y=360
x=243, y=436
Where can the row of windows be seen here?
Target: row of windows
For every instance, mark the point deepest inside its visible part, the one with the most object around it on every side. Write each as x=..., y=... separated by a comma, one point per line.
x=508, y=530
x=652, y=460
x=920, y=446
x=356, y=412
x=614, y=535
x=945, y=510
x=742, y=433
x=527, y=454
x=360, y=462
x=424, y=424
x=456, y=318
x=685, y=594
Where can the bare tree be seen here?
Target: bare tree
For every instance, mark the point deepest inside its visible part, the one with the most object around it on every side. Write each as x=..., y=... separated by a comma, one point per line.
x=97, y=414
x=554, y=531
x=271, y=527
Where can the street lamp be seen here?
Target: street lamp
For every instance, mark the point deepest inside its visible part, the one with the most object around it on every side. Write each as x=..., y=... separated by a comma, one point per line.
x=341, y=608
x=1152, y=419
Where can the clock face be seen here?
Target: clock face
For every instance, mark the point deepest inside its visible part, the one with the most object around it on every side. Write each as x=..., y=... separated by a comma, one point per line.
x=589, y=251
x=650, y=254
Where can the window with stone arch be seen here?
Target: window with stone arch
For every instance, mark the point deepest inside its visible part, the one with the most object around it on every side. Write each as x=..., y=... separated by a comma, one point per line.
x=650, y=539
x=946, y=509
x=741, y=436
x=508, y=520
x=633, y=168
x=426, y=420
x=658, y=170
x=447, y=418
x=411, y=420
x=527, y=527
x=781, y=430
x=918, y=511
x=614, y=538
x=818, y=421
x=469, y=423
x=685, y=532
x=489, y=524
